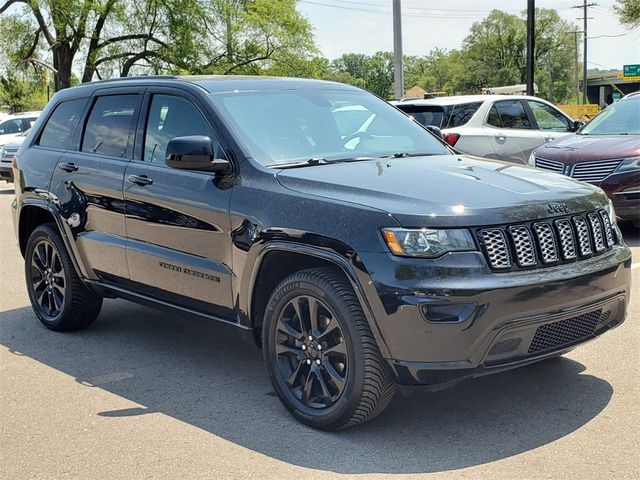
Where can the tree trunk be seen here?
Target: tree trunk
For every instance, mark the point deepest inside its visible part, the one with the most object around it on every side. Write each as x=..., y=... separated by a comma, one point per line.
x=63, y=63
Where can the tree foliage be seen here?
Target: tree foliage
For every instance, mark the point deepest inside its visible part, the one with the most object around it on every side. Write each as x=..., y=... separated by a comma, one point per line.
x=121, y=37
x=629, y=12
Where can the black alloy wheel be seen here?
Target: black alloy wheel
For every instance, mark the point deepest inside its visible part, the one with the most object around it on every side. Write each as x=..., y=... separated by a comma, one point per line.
x=47, y=278
x=311, y=351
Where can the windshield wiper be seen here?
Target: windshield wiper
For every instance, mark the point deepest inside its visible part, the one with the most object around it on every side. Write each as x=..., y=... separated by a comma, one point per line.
x=318, y=161
x=407, y=154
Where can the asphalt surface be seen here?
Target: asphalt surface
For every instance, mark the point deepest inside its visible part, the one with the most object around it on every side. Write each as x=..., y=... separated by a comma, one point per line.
x=146, y=394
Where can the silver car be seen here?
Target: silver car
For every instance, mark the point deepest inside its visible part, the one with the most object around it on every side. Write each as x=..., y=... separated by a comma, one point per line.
x=505, y=127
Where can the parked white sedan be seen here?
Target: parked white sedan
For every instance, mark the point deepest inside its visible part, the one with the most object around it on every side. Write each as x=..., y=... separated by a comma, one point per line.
x=505, y=127
x=13, y=125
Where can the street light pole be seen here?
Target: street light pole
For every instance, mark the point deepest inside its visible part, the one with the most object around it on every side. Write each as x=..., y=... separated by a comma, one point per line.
x=531, y=25
x=398, y=73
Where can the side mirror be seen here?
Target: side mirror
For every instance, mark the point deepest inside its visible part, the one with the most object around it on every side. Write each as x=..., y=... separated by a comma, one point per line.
x=435, y=130
x=577, y=125
x=194, y=152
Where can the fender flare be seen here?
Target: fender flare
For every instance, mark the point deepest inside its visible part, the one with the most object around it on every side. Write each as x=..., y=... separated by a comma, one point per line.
x=63, y=227
x=341, y=262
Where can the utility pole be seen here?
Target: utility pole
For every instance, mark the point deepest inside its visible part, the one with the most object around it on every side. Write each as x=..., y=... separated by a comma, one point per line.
x=576, y=74
x=531, y=33
x=398, y=68
x=584, y=17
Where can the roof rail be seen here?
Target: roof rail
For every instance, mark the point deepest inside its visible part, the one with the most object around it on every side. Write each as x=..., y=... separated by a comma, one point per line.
x=136, y=77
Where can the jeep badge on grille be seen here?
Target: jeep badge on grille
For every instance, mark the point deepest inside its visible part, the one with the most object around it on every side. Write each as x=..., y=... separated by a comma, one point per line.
x=558, y=208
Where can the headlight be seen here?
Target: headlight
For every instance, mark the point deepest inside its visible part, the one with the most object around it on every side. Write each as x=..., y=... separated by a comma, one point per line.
x=629, y=165
x=427, y=242
x=532, y=159
x=611, y=212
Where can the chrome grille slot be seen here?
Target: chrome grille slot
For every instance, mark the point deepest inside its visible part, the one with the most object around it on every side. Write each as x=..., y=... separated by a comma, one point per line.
x=594, y=171
x=547, y=242
x=596, y=230
x=549, y=165
x=567, y=240
x=523, y=243
x=495, y=244
x=608, y=231
x=584, y=242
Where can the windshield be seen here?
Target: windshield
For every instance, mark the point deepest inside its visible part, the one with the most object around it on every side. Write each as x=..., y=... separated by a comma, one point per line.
x=620, y=118
x=287, y=126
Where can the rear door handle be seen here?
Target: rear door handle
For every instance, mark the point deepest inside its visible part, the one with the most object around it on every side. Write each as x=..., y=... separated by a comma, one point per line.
x=141, y=180
x=68, y=167
x=501, y=138
x=549, y=139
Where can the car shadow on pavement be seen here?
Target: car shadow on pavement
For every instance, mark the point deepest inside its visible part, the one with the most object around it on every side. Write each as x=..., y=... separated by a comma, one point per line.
x=198, y=372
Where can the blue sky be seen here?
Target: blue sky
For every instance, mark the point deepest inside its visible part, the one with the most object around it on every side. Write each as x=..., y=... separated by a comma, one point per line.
x=364, y=26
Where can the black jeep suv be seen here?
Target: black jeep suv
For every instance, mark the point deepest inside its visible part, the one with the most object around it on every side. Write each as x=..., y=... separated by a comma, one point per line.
x=356, y=248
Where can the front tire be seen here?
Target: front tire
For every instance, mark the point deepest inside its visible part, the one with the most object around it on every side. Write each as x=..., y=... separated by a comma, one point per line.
x=58, y=297
x=321, y=356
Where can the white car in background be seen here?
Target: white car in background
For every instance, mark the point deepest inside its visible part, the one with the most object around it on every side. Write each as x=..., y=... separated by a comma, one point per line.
x=13, y=125
x=7, y=152
x=504, y=127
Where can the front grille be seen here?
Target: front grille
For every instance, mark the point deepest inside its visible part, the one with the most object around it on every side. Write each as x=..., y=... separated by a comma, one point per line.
x=7, y=155
x=594, y=171
x=547, y=243
x=496, y=248
x=505, y=346
x=550, y=165
x=564, y=332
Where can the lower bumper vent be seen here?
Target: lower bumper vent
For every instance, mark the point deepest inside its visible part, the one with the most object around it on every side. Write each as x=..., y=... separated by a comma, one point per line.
x=564, y=332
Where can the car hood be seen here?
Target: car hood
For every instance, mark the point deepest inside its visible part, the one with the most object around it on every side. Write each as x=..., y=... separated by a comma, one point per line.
x=447, y=190
x=578, y=148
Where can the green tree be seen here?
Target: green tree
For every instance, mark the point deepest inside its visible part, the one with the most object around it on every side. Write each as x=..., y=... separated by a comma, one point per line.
x=120, y=37
x=629, y=12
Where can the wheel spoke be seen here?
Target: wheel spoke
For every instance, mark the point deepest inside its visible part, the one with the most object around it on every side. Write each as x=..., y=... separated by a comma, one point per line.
x=335, y=377
x=39, y=260
x=284, y=327
x=37, y=284
x=298, y=309
x=308, y=386
x=326, y=394
x=313, y=314
x=284, y=349
x=59, y=288
x=331, y=326
x=57, y=301
x=339, y=348
x=293, y=378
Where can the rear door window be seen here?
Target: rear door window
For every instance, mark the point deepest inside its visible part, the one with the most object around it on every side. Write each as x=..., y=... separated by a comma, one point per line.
x=62, y=124
x=548, y=118
x=434, y=115
x=461, y=114
x=110, y=126
x=508, y=114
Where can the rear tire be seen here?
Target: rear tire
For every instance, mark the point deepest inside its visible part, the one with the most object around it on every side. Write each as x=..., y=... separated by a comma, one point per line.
x=326, y=369
x=58, y=297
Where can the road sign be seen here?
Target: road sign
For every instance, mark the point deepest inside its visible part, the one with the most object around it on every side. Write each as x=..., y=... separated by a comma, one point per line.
x=615, y=96
x=632, y=70
x=631, y=79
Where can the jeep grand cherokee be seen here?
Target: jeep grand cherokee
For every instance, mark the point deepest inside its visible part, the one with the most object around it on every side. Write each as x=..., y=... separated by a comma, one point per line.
x=362, y=261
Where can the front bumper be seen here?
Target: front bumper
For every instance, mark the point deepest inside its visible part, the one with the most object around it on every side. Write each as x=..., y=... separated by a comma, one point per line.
x=624, y=191
x=6, y=171
x=506, y=319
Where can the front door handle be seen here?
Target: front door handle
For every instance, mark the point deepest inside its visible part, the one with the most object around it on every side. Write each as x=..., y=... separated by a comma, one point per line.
x=68, y=167
x=501, y=138
x=549, y=139
x=141, y=180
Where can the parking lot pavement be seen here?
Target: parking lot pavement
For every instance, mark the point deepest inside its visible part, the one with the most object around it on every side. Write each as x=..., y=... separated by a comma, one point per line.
x=146, y=394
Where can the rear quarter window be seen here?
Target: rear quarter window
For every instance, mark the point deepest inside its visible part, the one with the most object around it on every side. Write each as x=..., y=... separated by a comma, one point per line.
x=61, y=125
x=110, y=125
x=461, y=114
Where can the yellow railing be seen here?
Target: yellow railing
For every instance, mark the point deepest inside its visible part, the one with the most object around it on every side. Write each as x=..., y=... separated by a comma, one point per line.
x=589, y=110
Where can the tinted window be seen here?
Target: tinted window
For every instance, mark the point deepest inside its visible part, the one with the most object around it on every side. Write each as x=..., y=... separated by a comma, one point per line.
x=171, y=117
x=58, y=131
x=110, y=125
x=548, y=118
x=461, y=114
x=14, y=125
x=427, y=114
x=508, y=114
